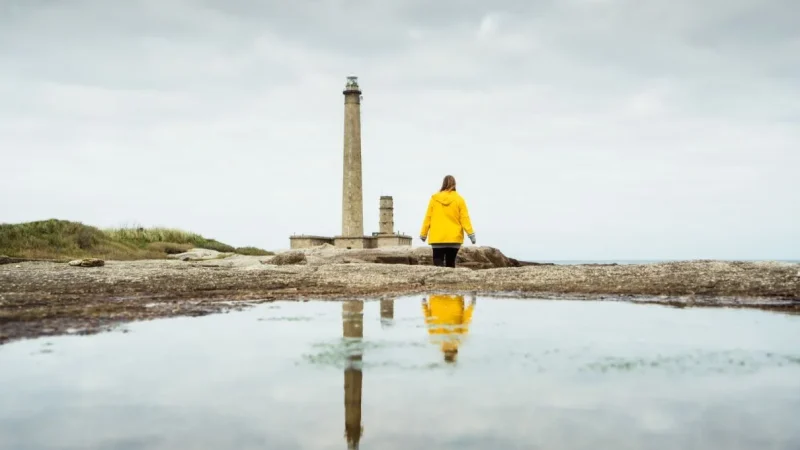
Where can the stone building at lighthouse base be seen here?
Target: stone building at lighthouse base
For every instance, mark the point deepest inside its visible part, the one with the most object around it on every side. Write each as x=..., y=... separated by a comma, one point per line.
x=386, y=237
x=307, y=241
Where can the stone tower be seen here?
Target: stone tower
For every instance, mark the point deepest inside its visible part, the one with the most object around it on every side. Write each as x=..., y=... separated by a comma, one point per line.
x=386, y=225
x=352, y=196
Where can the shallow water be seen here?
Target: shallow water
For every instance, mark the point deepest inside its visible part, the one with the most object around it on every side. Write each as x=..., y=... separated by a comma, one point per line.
x=314, y=375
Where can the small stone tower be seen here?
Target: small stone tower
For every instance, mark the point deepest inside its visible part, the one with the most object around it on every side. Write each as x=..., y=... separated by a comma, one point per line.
x=386, y=225
x=386, y=236
x=352, y=196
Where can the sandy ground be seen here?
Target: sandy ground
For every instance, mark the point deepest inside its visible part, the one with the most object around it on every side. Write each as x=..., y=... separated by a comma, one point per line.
x=42, y=298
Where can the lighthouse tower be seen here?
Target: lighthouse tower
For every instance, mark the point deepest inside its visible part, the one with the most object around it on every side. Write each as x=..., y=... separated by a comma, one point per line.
x=352, y=194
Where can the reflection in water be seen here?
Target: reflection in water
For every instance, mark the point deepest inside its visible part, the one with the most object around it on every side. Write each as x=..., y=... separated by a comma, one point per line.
x=387, y=312
x=448, y=321
x=575, y=375
x=353, y=330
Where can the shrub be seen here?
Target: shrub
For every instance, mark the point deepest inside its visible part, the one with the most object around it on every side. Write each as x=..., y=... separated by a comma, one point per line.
x=170, y=248
x=253, y=251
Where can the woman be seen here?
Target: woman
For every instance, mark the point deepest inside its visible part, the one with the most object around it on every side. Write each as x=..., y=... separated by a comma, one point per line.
x=447, y=219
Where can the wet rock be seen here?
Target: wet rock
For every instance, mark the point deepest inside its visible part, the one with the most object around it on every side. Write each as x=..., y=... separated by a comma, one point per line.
x=288, y=258
x=87, y=262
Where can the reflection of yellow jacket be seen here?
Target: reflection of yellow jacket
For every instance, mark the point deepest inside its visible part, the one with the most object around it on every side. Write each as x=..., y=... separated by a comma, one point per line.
x=447, y=219
x=446, y=314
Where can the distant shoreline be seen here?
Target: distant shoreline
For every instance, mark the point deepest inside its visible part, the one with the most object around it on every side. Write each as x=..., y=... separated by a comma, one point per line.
x=653, y=261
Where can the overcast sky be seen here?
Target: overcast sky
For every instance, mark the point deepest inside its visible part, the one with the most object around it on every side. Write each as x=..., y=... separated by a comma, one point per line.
x=577, y=129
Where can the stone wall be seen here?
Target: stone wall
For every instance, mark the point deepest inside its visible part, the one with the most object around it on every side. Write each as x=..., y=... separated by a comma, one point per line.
x=300, y=242
x=393, y=240
x=354, y=242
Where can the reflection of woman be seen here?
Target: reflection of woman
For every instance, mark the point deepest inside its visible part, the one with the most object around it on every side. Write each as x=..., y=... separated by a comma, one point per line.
x=448, y=321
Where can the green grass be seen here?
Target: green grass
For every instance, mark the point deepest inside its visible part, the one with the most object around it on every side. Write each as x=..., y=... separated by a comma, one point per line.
x=61, y=239
x=252, y=251
x=142, y=237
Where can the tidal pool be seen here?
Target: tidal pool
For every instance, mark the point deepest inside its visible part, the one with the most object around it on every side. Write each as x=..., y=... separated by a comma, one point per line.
x=445, y=372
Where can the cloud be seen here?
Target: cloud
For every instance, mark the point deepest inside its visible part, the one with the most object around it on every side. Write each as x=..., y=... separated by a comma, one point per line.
x=576, y=129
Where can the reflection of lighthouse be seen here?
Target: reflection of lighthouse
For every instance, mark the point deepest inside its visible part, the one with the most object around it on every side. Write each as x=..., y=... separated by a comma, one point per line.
x=387, y=312
x=353, y=331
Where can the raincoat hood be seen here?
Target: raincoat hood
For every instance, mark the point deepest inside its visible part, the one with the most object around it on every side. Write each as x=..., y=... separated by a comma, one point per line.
x=446, y=197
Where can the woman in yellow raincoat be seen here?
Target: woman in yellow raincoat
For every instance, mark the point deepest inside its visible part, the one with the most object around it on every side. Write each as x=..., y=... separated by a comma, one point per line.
x=446, y=220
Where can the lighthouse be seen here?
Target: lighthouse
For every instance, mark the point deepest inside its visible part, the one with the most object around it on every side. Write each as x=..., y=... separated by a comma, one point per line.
x=352, y=193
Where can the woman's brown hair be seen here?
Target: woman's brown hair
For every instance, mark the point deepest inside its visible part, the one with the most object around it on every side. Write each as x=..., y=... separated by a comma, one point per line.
x=448, y=184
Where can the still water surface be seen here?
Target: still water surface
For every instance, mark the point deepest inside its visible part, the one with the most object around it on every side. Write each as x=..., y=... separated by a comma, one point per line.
x=416, y=372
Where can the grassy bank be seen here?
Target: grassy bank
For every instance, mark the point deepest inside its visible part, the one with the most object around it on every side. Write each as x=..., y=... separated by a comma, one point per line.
x=61, y=239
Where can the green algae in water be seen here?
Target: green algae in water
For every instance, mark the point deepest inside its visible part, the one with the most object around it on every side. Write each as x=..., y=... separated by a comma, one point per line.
x=286, y=319
x=733, y=362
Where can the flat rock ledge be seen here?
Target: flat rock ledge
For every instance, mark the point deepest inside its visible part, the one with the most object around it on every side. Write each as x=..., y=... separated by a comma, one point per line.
x=44, y=298
x=469, y=257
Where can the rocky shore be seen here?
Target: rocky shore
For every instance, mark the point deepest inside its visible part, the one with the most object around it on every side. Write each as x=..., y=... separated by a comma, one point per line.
x=47, y=298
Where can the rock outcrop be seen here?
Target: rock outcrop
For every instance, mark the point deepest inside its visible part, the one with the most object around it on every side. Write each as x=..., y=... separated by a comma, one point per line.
x=197, y=254
x=87, y=262
x=288, y=259
x=468, y=257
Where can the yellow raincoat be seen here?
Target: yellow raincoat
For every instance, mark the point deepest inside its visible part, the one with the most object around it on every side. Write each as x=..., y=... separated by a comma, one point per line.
x=447, y=219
